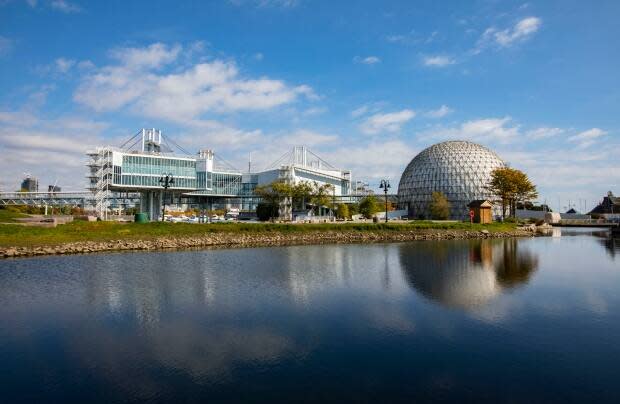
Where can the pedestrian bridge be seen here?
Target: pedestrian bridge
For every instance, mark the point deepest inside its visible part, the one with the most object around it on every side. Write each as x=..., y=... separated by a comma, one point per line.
x=81, y=199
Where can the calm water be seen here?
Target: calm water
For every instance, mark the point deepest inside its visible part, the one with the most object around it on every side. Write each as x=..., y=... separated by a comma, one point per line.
x=526, y=320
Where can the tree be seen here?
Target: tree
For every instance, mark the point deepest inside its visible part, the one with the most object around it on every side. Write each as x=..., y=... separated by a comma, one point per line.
x=368, y=206
x=525, y=191
x=501, y=185
x=302, y=193
x=274, y=195
x=343, y=211
x=440, y=207
x=321, y=195
x=510, y=186
x=354, y=209
x=281, y=195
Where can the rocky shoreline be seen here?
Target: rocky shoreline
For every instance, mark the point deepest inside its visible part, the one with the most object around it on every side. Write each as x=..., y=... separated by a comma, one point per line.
x=254, y=240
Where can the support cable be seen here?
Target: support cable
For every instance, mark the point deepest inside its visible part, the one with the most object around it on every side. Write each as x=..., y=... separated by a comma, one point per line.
x=130, y=139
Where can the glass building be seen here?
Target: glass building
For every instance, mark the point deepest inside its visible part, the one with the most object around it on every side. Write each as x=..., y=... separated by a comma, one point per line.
x=460, y=170
x=201, y=181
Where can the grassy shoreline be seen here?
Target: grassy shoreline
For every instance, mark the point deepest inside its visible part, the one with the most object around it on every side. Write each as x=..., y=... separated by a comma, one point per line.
x=25, y=236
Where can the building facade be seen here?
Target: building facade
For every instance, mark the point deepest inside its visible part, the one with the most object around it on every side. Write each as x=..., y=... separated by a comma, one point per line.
x=30, y=184
x=202, y=181
x=610, y=205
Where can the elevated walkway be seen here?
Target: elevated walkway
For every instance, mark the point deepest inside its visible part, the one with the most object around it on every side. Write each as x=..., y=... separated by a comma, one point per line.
x=82, y=199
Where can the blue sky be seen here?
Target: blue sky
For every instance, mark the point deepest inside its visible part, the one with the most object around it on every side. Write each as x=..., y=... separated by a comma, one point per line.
x=367, y=85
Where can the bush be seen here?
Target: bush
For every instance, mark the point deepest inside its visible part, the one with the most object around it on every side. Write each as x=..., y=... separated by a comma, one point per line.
x=343, y=211
x=440, y=207
x=368, y=206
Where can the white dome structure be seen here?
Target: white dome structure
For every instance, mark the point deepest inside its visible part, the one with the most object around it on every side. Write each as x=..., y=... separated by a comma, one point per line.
x=460, y=170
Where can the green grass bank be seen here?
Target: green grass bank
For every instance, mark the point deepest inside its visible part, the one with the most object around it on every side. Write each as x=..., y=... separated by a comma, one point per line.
x=25, y=236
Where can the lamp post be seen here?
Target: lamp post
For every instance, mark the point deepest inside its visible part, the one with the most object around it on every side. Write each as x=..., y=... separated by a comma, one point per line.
x=165, y=181
x=385, y=185
x=333, y=202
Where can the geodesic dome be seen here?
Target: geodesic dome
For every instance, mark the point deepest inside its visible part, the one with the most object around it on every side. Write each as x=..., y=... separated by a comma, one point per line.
x=460, y=170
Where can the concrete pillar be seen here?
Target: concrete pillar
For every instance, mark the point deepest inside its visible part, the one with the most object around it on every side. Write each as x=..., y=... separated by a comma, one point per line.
x=151, y=203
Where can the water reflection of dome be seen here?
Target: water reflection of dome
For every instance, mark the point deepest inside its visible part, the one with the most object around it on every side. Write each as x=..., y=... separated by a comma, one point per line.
x=465, y=274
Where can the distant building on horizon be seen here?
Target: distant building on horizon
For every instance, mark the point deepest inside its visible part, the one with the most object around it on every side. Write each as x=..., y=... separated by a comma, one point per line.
x=609, y=205
x=30, y=184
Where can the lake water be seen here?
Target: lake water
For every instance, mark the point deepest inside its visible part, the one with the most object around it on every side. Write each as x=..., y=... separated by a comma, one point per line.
x=520, y=320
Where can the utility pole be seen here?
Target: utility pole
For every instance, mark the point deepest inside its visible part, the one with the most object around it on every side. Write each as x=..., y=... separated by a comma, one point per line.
x=166, y=181
x=385, y=185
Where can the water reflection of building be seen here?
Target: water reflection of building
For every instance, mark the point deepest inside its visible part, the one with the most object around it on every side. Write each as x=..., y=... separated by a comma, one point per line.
x=466, y=274
x=609, y=241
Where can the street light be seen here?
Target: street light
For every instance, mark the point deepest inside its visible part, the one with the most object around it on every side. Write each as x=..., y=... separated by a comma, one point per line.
x=165, y=181
x=385, y=185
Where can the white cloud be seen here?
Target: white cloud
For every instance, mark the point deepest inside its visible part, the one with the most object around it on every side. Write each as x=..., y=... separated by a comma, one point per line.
x=308, y=92
x=369, y=60
x=588, y=137
x=205, y=134
x=520, y=32
x=438, y=61
x=64, y=6
x=50, y=149
x=388, y=122
x=496, y=128
x=63, y=65
x=266, y=3
x=309, y=138
x=431, y=37
x=85, y=65
x=58, y=67
x=389, y=158
x=314, y=111
x=440, y=112
x=487, y=130
x=395, y=38
x=39, y=95
x=544, y=133
x=214, y=86
x=153, y=56
x=582, y=178
x=359, y=111
x=259, y=56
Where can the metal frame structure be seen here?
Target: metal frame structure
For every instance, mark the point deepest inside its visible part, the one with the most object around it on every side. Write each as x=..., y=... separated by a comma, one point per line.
x=81, y=199
x=206, y=178
x=460, y=170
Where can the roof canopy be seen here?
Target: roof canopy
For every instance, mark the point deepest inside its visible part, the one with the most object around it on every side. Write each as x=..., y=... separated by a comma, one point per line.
x=480, y=203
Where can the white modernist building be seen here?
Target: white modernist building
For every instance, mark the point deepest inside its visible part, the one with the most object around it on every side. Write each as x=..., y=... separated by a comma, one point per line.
x=202, y=180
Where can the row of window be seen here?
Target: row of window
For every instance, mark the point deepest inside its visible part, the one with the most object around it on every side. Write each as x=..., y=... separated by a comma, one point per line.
x=204, y=180
x=158, y=166
x=226, y=184
x=153, y=181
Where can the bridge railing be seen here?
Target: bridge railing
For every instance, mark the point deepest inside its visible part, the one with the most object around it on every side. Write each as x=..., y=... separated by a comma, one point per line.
x=44, y=195
x=584, y=222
